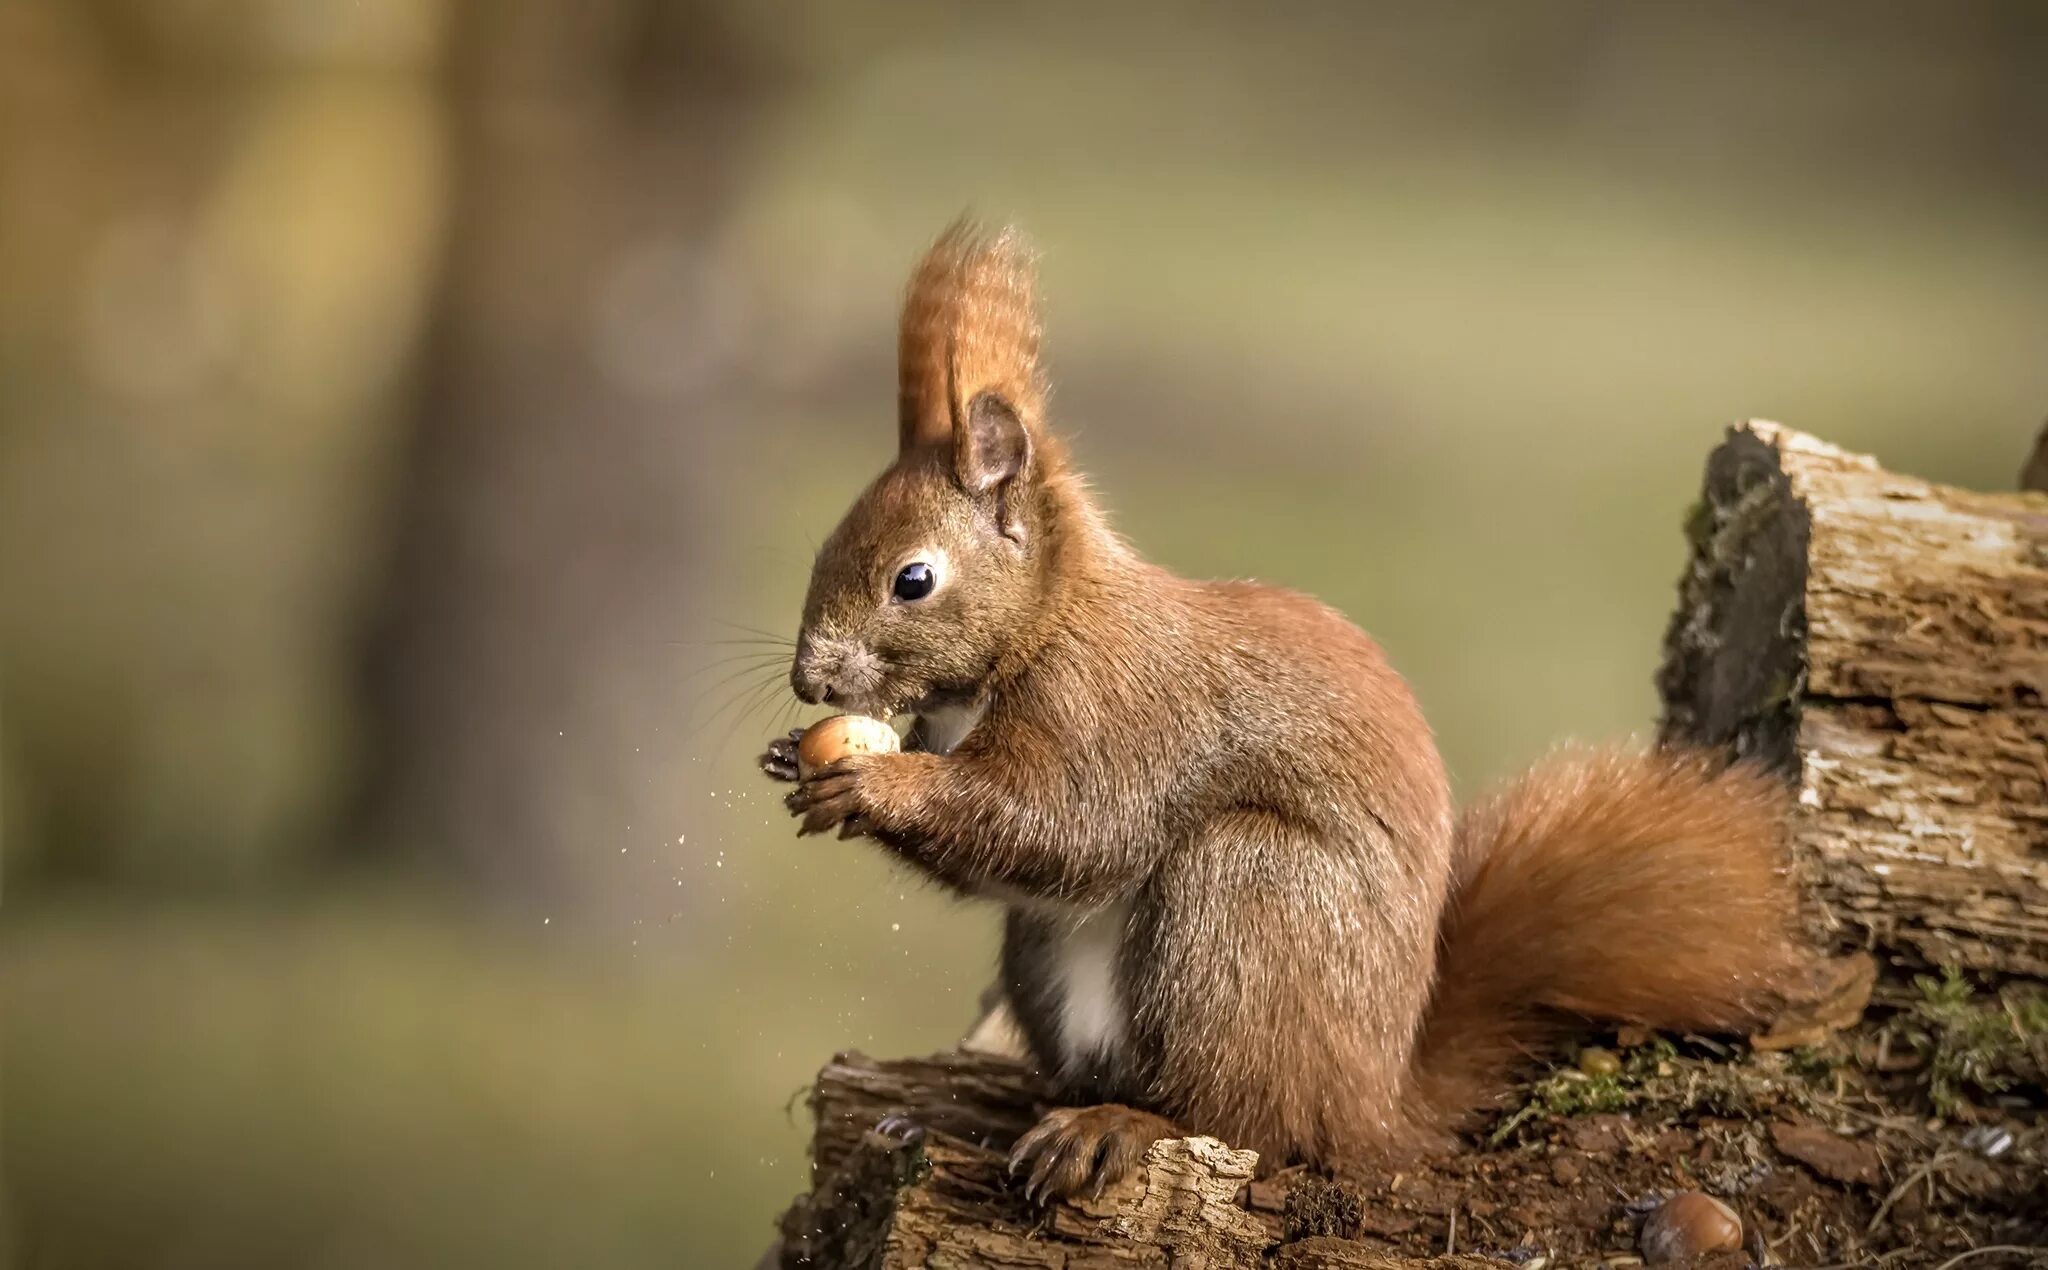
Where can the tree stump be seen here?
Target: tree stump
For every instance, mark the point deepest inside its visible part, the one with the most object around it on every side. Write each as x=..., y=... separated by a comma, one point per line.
x=1884, y=642
x=940, y=1195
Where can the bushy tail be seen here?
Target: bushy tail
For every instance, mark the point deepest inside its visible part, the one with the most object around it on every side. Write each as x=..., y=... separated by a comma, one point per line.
x=1646, y=889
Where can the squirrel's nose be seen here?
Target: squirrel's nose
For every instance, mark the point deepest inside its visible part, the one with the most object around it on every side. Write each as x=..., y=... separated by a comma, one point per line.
x=811, y=685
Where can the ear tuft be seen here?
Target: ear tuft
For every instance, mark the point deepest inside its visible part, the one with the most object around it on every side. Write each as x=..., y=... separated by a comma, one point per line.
x=970, y=326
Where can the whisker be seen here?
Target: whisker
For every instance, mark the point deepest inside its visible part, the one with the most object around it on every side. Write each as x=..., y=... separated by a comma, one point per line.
x=749, y=705
x=786, y=718
x=751, y=659
x=745, y=691
x=763, y=653
x=760, y=642
x=744, y=629
x=745, y=674
x=755, y=702
x=703, y=685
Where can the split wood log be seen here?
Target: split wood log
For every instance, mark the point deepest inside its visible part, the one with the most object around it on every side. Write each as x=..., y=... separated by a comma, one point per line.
x=940, y=1195
x=1884, y=641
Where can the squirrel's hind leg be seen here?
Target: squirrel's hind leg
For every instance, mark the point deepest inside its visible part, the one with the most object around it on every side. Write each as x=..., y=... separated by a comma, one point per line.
x=1277, y=1000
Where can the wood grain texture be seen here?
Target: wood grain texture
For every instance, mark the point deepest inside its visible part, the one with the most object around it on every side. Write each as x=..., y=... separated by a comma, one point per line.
x=1884, y=641
x=943, y=1197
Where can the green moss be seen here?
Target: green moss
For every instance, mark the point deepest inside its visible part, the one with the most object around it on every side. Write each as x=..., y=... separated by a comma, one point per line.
x=1816, y=1062
x=1975, y=1042
x=1652, y=1058
x=1659, y=1082
x=2031, y=1014
x=1565, y=1093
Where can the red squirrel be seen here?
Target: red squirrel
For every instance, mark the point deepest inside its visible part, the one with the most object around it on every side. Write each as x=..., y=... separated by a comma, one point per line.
x=1240, y=902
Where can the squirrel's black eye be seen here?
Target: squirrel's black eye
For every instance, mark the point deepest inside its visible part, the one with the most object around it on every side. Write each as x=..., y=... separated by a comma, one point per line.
x=915, y=582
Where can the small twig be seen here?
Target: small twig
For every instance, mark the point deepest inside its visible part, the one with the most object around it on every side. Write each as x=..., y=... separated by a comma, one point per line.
x=1898, y=1192
x=1904, y=1124
x=2032, y=1250
x=1451, y=1239
x=1868, y=1263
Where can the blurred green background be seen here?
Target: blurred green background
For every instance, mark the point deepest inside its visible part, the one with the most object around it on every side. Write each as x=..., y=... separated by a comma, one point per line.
x=403, y=402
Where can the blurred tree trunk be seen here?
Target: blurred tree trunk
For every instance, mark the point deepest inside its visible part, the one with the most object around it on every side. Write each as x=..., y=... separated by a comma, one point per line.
x=548, y=537
x=218, y=229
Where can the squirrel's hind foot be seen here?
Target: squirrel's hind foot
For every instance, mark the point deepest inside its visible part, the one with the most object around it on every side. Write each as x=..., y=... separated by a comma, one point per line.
x=1085, y=1149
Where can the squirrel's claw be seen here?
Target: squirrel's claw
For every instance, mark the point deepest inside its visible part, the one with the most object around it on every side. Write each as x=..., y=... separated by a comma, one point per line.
x=899, y=1129
x=1084, y=1149
x=780, y=760
x=829, y=799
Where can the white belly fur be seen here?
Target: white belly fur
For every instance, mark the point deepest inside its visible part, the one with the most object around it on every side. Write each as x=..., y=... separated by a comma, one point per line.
x=945, y=729
x=1091, y=1009
x=1083, y=965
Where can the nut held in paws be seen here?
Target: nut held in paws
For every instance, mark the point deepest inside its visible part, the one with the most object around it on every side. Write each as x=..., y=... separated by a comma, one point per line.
x=829, y=740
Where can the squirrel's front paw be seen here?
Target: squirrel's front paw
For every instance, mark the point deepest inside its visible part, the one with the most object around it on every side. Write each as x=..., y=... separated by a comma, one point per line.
x=832, y=797
x=780, y=760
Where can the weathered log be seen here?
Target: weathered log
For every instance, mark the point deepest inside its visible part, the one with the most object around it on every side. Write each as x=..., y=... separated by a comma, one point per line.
x=1884, y=641
x=940, y=1195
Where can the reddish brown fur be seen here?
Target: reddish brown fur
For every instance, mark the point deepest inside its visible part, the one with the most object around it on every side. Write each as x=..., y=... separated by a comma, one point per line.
x=1647, y=889
x=970, y=323
x=1229, y=784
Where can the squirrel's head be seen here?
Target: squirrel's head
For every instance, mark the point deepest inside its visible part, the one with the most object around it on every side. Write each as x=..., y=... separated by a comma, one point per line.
x=940, y=572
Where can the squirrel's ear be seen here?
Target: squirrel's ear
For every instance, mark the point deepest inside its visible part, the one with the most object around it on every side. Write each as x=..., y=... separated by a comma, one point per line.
x=991, y=454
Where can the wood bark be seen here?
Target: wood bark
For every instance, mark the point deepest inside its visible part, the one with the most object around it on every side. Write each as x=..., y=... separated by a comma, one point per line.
x=941, y=1196
x=1884, y=641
